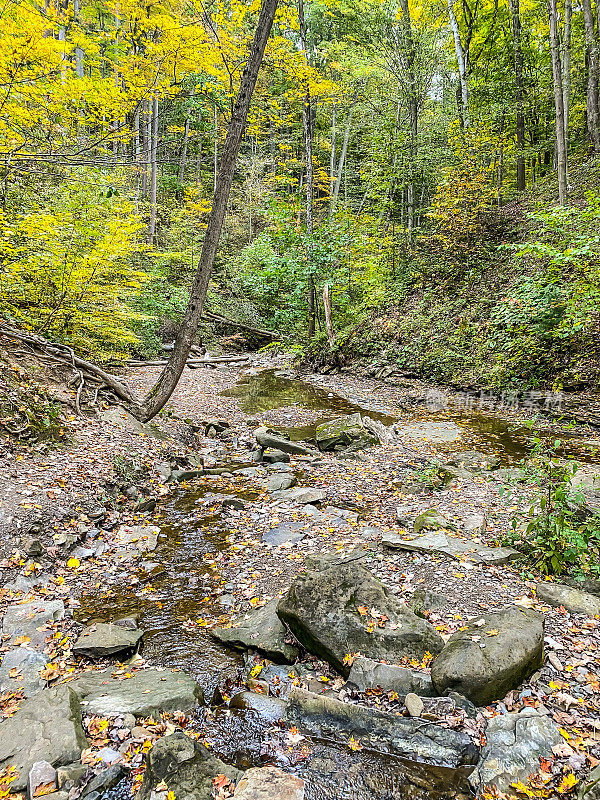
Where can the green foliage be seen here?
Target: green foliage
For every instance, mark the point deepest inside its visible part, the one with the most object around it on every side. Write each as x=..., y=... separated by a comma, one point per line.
x=555, y=534
x=27, y=412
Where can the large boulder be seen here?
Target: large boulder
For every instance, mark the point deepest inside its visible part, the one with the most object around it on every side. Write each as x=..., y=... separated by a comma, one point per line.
x=493, y=655
x=327, y=718
x=262, y=630
x=340, y=433
x=45, y=728
x=514, y=745
x=147, y=693
x=103, y=640
x=343, y=609
x=574, y=600
x=185, y=767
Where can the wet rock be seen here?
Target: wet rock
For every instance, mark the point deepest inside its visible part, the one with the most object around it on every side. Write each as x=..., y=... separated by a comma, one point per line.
x=269, y=783
x=343, y=432
x=409, y=738
x=142, y=537
x=574, y=600
x=322, y=611
x=48, y=728
x=474, y=461
x=492, y=656
x=27, y=664
x=414, y=704
x=42, y=779
x=267, y=708
x=186, y=767
x=267, y=438
x=284, y=533
x=148, y=693
x=105, y=780
x=302, y=495
x=276, y=457
x=368, y=674
x=432, y=520
x=514, y=745
x=262, y=630
x=279, y=482
x=104, y=640
x=147, y=504
x=25, y=619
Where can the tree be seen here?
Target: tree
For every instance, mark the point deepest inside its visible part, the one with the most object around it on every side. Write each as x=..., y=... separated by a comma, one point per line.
x=593, y=61
x=164, y=387
x=559, y=108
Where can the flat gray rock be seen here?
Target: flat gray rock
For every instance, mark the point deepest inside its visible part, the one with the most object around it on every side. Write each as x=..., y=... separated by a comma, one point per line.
x=368, y=674
x=185, y=766
x=285, y=533
x=453, y=546
x=27, y=664
x=267, y=438
x=302, y=495
x=262, y=630
x=147, y=693
x=495, y=654
x=280, y=481
x=574, y=600
x=436, y=432
x=48, y=728
x=514, y=745
x=42, y=779
x=269, y=783
x=104, y=640
x=26, y=618
x=142, y=537
x=328, y=610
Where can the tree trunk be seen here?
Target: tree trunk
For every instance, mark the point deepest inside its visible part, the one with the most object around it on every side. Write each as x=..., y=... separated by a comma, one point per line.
x=332, y=156
x=566, y=66
x=328, y=316
x=308, y=140
x=184, y=146
x=340, y=168
x=169, y=378
x=591, y=49
x=561, y=143
x=462, y=67
x=518, y=67
x=153, y=169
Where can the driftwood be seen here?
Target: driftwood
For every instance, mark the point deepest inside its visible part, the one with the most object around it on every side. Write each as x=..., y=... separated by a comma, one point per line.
x=210, y=316
x=63, y=354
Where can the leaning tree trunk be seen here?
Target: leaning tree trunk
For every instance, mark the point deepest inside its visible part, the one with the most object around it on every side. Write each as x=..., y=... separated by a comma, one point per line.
x=169, y=378
x=561, y=139
x=591, y=49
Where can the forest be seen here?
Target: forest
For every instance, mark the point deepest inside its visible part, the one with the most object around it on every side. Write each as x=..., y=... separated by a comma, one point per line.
x=299, y=399
x=432, y=167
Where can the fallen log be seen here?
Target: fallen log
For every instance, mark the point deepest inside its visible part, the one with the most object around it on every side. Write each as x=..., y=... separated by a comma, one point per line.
x=210, y=316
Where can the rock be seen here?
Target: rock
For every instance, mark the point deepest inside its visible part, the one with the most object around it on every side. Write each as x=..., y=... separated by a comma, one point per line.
x=414, y=704
x=267, y=708
x=103, y=640
x=453, y=546
x=269, y=783
x=262, y=630
x=424, y=600
x=48, y=728
x=26, y=618
x=105, y=780
x=590, y=790
x=514, y=745
x=278, y=483
x=574, y=600
x=302, y=495
x=342, y=432
x=490, y=658
x=276, y=457
x=42, y=779
x=284, y=533
x=587, y=585
x=474, y=461
x=34, y=548
x=474, y=524
x=327, y=718
x=27, y=664
x=71, y=775
x=185, y=766
x=267, y=438
x=148, y=693
x=436, y=432
x=322, y=611
x=142, y=537
x=432, y=520
x=368, y=674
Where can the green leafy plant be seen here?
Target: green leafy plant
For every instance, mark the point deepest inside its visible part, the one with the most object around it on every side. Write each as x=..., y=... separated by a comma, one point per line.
x=555, y=532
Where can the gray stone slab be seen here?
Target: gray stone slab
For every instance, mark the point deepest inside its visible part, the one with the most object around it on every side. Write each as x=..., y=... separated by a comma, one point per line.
x=27, y=664
x=25, y=619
